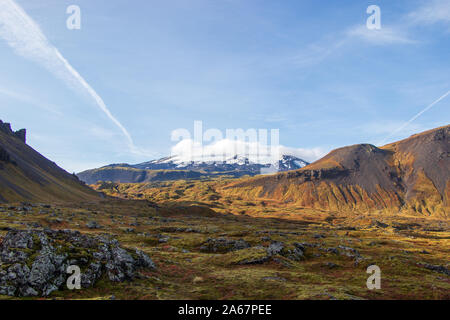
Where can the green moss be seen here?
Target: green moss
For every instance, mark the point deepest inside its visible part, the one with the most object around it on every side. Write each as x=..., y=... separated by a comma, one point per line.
x=245, y=256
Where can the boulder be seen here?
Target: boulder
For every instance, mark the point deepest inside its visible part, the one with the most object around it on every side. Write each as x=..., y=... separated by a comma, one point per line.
x=35, y=262
x=294, y=252
x=93, y=225
x=222, y=245
x=436, y=268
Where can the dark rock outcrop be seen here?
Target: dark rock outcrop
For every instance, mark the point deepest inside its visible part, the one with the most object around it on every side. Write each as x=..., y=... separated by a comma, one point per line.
x=6, y=128
x=93, y=225
x=22, y=135
x=222, y=245
x=35, y=262
x=274, y=251
x=4, y=155
x=436, y=268
x=295, y=252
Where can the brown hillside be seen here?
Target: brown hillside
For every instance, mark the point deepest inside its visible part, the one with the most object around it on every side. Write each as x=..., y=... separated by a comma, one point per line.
x=412, y=175
x=26, y=175
x=424, y=159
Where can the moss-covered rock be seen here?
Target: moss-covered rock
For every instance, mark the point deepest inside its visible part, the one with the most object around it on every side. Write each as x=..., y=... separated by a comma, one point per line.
x=35, y=262
x=222, y=245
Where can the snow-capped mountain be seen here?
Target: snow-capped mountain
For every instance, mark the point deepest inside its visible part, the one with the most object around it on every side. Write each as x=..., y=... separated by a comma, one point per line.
x=177, y=168
x=286, y=162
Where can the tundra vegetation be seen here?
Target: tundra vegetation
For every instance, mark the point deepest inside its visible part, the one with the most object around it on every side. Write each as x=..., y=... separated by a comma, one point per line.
x=208, y=245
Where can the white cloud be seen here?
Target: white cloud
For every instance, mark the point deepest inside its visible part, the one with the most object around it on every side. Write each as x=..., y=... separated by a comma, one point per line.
x=316, y=52
x=434, y=11
x=26, y=38
x=383, y=36
x=225, y=149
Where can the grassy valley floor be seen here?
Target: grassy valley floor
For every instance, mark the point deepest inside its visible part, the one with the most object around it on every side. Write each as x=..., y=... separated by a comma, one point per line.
x=207, y=246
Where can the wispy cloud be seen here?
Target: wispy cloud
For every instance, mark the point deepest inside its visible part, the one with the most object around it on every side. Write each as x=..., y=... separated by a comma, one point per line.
x=317, y=52
x=26, y=38
x=432, y=12
x=384, y=36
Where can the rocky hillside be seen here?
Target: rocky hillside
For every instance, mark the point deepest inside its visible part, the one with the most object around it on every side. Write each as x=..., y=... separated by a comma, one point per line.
x=412, y=175
x=26, y=175
x=171, y=168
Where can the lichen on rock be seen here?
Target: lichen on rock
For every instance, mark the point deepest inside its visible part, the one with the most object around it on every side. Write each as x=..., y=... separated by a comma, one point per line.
x=35, y=262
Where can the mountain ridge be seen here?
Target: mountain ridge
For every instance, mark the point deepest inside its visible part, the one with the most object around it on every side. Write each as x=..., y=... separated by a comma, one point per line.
x=410, y=175
x=26, y=175
x=170, y=168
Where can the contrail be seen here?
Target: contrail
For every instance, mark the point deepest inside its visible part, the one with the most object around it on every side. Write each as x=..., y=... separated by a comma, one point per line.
x=416, y=116
x=26, y=38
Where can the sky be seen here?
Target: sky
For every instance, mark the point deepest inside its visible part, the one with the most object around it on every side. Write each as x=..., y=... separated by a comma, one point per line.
x=114, y=90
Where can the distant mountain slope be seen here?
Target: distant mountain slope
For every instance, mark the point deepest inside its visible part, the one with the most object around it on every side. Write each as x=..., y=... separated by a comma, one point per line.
x=127, y=174
x=412, y=175
x=25, y=175
x=171, y=168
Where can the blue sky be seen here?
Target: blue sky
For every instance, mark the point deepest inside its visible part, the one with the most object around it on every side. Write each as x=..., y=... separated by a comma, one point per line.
x=311, y=69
